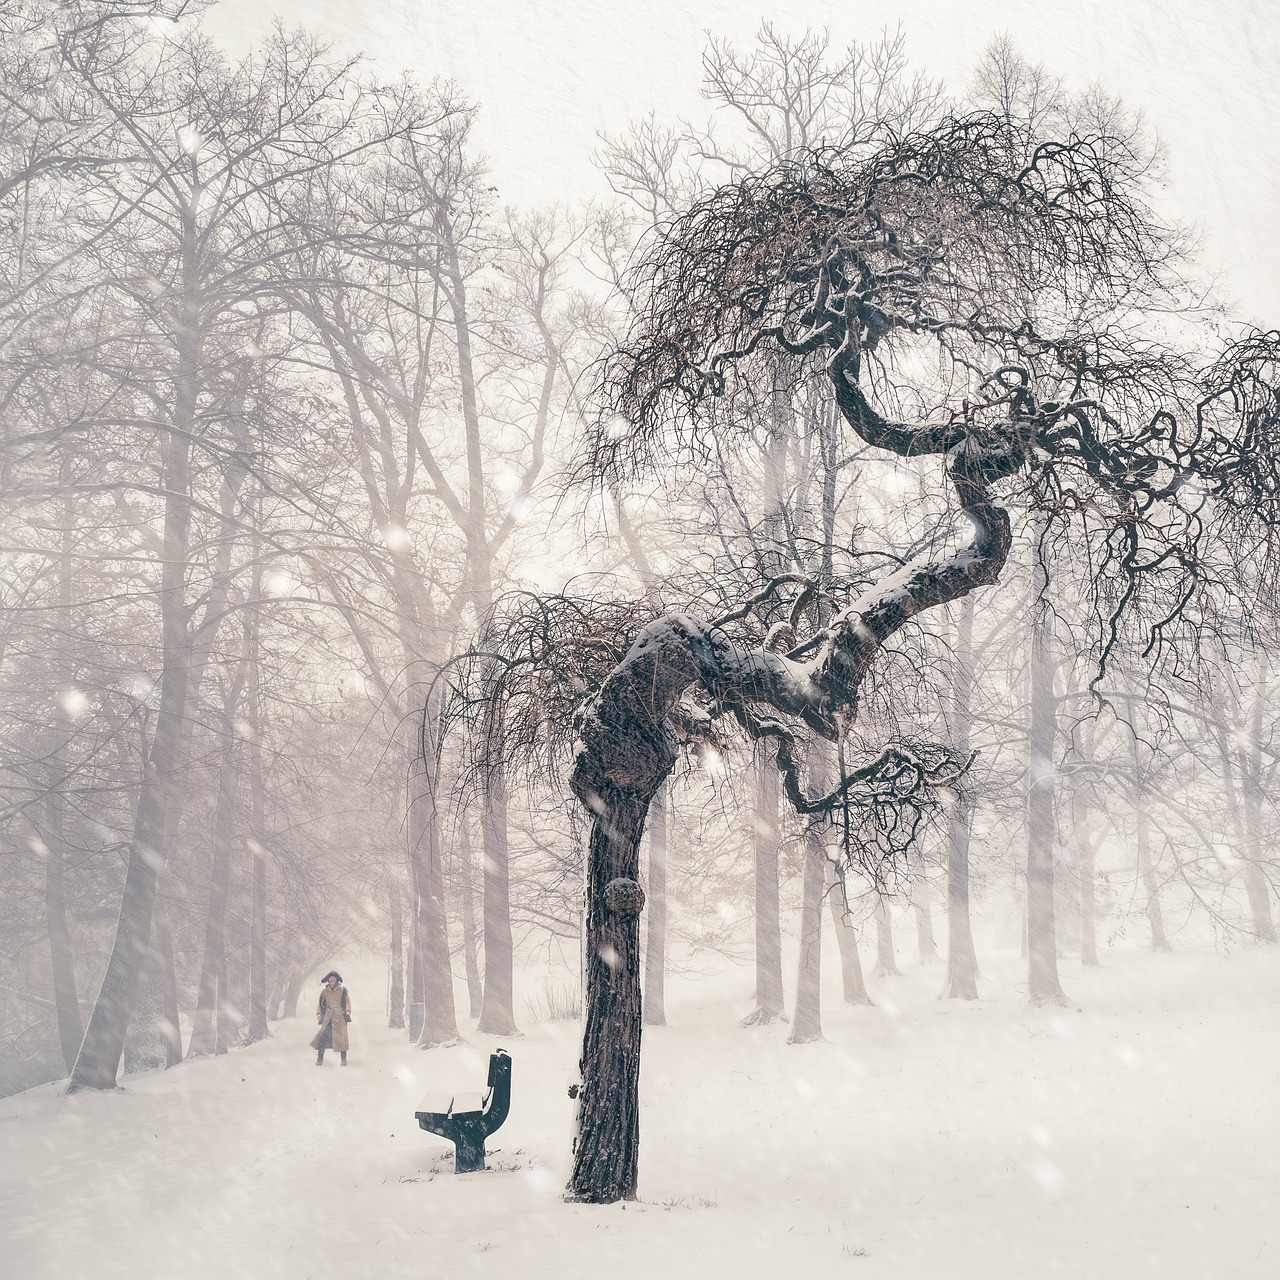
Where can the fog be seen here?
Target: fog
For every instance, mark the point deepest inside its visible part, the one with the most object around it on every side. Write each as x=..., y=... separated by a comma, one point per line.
x=733, y=560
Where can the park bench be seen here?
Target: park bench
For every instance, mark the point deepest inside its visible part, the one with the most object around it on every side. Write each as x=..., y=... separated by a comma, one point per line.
x=467, y=1119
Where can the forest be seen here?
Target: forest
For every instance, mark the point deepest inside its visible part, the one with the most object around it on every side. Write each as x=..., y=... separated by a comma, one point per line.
x=862, y=527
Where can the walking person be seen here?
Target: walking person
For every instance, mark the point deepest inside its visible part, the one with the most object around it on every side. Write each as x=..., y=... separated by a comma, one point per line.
x=333, y=1013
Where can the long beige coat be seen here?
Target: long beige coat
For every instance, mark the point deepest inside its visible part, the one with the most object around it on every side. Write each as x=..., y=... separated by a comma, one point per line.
x=333, y=1006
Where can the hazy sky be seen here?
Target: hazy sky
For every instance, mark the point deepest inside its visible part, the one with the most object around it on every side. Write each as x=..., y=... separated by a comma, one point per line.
x=550, y=74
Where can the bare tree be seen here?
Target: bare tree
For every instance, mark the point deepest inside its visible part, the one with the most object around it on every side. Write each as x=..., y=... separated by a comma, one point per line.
x=962, y=239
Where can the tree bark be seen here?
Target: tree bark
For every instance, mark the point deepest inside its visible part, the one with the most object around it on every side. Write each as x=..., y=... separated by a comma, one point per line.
x=607, y=1145
x=655, y=959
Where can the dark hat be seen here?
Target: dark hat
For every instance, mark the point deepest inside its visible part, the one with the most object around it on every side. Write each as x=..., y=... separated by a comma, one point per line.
x=333, y=973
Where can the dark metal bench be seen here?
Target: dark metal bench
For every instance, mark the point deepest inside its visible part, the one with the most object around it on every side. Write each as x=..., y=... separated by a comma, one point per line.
x=468, y=1119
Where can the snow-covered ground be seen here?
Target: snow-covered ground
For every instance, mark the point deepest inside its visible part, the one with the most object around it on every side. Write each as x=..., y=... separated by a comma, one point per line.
x=1137, y=1136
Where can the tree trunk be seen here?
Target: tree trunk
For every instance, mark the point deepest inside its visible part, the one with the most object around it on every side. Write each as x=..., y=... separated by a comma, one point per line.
x=655, y=959
x=204, y=1030
x=497, y=1013
x=768, y=917
x=257, y=1029
x=1042, y=948
x=99, y=1056
x=61, y=952
x=1256, y=885
x=293, y=987
x=853, y=984
x=1086, y=856
x=439, y=1020
x=1155, y=914
x=606, y=1148
x=962, y=960
x=417, y=980
x=395, y=1014
x=926, y=948
x=886, y=961
x=154, y=1038
x=470, y=943
x=806, y=1022
x=1146, y=872
x=275, y=993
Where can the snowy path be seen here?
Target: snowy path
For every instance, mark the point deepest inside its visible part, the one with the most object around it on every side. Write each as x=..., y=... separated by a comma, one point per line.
x=1139, y=1138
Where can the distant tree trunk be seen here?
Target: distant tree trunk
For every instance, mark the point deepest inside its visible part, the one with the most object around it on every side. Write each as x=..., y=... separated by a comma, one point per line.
x=1256, y=885
x=417, y=980
x=886, y=961
x=154, y=1038
x=1042, y=947
x=61, y=952
x=293, y=987
x=275, y=993
x=655, y=959
x=1155, y=914
x=257, y=1029
x=257, y=1026
x=470, y=943
x=497, y=1013
x=962, y=960
x=1083, y=838
x=395, y=1015
x=853, y=984
x=768, y=920
x=439, y=1020
x=170, y=1026
x=806, y=1021
x=926, y=948
x=204, y=1030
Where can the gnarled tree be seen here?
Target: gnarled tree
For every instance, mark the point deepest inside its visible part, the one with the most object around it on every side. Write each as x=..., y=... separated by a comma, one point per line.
x=973, y=294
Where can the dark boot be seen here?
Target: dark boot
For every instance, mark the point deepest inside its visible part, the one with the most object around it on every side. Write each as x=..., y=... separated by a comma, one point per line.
x=319, y=1057
x=344, y=1057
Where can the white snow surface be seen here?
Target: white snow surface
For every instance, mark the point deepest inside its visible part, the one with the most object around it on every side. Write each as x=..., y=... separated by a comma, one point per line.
x=1136, y=1135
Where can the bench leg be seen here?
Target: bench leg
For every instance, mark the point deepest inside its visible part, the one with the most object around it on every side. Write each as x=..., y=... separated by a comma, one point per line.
x=469, y=1157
